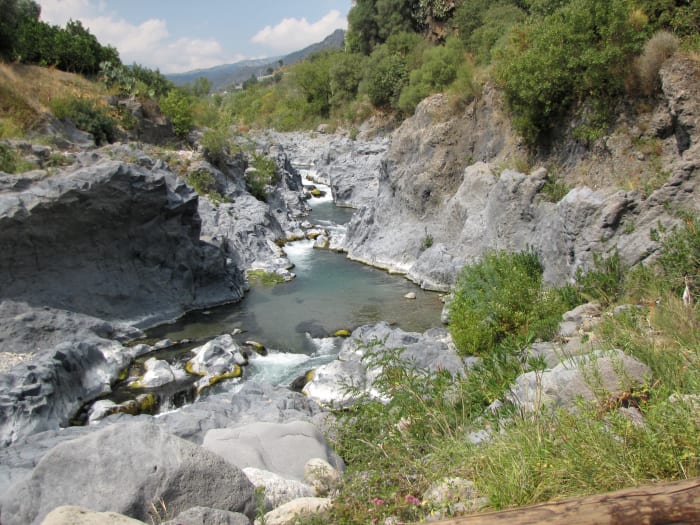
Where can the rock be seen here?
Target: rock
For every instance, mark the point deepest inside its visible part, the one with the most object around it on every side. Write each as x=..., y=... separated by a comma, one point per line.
x=113, y=240
x=586, y=376
x=432, y=350
x=282, y=448
x=322, y=476
x=46, y=392
x=410, y=295
x=158, y=373
x=221, y=355
x=252, y=403
x=207, y=516
x=441, y=174
x=123, y=468
x=278, y=490
x=288, y=513
x=80, y=516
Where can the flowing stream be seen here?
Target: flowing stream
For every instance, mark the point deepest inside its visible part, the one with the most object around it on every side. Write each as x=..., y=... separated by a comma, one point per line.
x=295, y=320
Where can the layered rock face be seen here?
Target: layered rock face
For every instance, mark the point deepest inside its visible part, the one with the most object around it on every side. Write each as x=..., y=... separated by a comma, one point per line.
x=439, y=206
x=114, y=240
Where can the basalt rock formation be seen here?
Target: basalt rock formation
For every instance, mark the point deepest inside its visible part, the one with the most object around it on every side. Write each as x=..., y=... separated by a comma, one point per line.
x=113, y=240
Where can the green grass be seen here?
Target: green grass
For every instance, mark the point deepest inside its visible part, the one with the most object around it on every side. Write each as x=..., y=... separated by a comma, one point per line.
x=264, y=278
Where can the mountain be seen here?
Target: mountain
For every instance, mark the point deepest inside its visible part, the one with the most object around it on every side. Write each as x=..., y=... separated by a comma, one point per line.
x=227, y=75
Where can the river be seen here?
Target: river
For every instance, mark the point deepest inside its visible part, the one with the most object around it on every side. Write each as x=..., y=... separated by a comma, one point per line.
x=295, y=320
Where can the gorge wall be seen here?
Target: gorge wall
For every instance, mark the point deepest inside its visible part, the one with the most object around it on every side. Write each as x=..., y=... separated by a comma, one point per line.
x=448, y=189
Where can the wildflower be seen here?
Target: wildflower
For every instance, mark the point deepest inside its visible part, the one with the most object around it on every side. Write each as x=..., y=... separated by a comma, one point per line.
x=412, y=500
x=378, y=501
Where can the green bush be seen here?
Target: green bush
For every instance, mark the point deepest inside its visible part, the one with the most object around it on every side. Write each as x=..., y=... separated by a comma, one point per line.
x=385, y=77
x=265, y=174
x=501, y=299
x=204, y=183
x=177, y=106
x=87, y=116
x=680, y=255
x=605, y=282
x=216, y=147
x=543, y=79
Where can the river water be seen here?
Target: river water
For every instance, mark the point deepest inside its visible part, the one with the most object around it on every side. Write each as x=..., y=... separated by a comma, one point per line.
x=295, y=320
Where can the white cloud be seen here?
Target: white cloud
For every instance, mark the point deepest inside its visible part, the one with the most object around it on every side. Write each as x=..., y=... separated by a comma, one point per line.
x=292, y=34
x=147, y=43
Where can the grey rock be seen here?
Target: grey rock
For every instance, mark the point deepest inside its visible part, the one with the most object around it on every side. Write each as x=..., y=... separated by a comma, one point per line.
x=278, y=489
x=289, y=513
x=80, y=516
x=441, y=176
x=218, y=356
x=432, y=350
x=586, y=376
x=123, y=468
x=207, y=516
x=158, y=373
x=281, y=448
x=322, y=476
x=253, y=402
x=115, y=240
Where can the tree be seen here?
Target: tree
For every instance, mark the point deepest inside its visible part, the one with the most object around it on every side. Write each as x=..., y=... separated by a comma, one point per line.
x=201, y=87
x=177, y=106
x=13, y=13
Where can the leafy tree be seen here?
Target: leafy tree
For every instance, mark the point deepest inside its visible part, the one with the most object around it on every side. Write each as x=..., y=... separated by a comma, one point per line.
x=201, y=87
x=313, y=78
x=439, y=69
x=385, y=77
x=363, y=32
x=345, y=75
x=14, y=13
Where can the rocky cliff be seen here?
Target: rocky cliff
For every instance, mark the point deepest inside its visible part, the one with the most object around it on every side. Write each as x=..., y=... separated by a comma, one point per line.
x=114, y=240
x=448, y=188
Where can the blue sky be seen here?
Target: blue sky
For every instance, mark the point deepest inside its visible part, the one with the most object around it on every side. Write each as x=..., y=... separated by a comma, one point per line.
x=177, y=35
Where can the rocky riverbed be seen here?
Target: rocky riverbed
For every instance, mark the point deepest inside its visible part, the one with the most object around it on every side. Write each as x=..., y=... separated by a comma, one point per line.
x=115, y=241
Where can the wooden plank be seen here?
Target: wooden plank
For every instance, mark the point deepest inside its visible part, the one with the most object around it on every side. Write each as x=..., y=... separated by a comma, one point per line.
x=674, y=503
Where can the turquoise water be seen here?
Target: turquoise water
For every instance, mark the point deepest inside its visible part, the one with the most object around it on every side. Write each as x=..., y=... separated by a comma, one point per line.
x=294, y=320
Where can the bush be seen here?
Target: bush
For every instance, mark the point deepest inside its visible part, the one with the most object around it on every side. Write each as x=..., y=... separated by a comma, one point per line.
x=216, y=147
x=265, y=174
x=204, y=183
x=680, y=255
x=85, y=115
x=605, y=282
x=385, y=77
x=177, y=106
x=656, y=51
x=542, y=78
x=501, y=299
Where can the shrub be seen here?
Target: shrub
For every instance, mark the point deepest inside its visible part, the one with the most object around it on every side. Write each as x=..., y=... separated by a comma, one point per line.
x=265, y=173
x=659, y=48
x=177, y=106
x=216, y=147
x=204, y=183
x=85, y=115
x=605, y=281
x=680, y=254
x=385, y=77
x=501, y=298
x=542, y=78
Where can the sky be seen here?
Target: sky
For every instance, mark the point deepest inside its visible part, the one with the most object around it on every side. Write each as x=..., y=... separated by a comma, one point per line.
x=175, y=36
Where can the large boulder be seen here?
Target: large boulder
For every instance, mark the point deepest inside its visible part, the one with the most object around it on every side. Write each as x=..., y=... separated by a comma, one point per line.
x=124, y=468
x=281, y=448
x=118, y=241
x=207, y=516
x=79, y=516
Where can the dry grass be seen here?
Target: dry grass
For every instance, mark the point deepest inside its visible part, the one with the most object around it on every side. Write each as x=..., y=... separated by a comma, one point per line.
x=657, y=50
x=27, y=91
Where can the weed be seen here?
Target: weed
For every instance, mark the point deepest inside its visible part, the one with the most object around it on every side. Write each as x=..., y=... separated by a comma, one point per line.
x=264, y=278
x=86, y=116
x=554, y=189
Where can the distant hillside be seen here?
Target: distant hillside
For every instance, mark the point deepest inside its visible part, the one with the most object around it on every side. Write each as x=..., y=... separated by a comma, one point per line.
x=226, y=75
